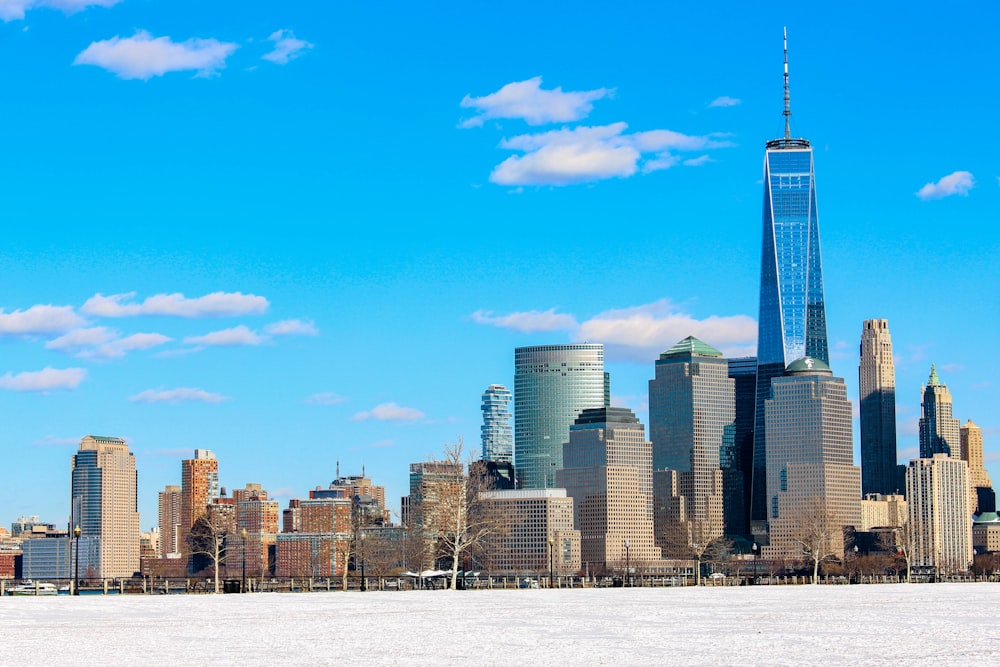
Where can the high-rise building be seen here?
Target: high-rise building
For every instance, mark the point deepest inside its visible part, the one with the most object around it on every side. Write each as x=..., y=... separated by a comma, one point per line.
x=259, y=518
x=552, y=385
x=534, y=528
x=940, y=520
x=939, y=431
x=609, y=474
x=981, y=494
x=792, y=320
x=737, y=478
x=170, y=520
x=810, y=457
x=691, y=413
x=105, y=507
x=199, y=487
x=877, y=388
x=498, y=439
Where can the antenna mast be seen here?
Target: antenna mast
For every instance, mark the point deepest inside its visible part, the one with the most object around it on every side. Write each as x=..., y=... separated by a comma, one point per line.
x=788, y=103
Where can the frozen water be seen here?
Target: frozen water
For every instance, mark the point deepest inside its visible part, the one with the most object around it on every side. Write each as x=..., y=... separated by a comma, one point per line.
x=937, y=624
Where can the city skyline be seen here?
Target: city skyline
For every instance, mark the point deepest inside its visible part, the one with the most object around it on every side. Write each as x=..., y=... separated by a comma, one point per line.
x=350, y=305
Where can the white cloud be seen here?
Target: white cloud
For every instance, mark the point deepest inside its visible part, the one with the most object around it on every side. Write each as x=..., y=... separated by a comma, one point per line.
x=180, y=395
x=292, y=328
x=641, y=333
x=528, y=321
x=527, y=100
x=584, y=154
x=382, y=444
x=389, y=412
x=79, y=338
x=143, y=56
x=326, y=398
x=698, y=161
x=122, y=346
x=46, y=379
x=238, y=335
x=725, y=101
x=15, y=9
x=38, y=320
x=955, y=183
x=216, y=304
x=104, y=343
x=286, y=47
x=53, y=440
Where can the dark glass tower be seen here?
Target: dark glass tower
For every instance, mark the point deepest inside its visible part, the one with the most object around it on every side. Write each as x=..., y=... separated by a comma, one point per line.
x=792, y=321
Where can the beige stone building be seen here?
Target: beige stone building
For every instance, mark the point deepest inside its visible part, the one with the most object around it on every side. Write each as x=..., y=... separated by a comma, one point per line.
x=533, y=529
x=882, y=511
x=104, y=506
x=169, y=506
x=940, y=519
x=971, y=439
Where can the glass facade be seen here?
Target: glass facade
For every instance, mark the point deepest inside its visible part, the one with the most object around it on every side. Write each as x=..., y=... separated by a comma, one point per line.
x=498, y=438
x=792, y=316
x=552, y=385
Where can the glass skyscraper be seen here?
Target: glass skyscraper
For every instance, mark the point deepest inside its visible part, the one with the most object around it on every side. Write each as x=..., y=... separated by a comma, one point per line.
x=792, y=320
x=553, y=384
x=498, y=440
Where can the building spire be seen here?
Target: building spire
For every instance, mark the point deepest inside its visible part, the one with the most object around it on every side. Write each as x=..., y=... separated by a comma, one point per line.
x=788, y=103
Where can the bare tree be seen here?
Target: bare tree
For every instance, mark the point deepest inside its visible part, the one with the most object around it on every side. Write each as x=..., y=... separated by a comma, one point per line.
x=689, y=540
x=817, y=533
x=208, y=538
x=900, y=542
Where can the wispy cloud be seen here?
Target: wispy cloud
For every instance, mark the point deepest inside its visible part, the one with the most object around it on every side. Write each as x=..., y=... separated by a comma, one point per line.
x=234, y=337
x=51, y=440
x=725, y=101
x=527, y=321
x=698, y=161
x=14, y=9
x=326, y=398
x=216, y=304
x=104, y=343
x=143, y=56
x=39, y=320
x=640, y=333
x=286, y=47
x=389, y=412
x=47, y=379
x=292, y=328
x=382, y=444
x=528, y=101
x=179, y=395
x=173, y=453
x=955, y=183
x=585, y=154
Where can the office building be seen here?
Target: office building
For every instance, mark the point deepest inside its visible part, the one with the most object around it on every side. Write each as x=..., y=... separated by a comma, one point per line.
x=810, y=457
x=608, y=472
x=691, y=415
x=792, y=319
x=170, y=520
x=877, y=389
x=939, y=431
x=737, y=475
x=50, y=557
x=882, y=511
x=552, y=385
x=105, y=506
x=534, y=530
x=981, y=494
x=199, y=487
x=497, y=436
x=940, y=519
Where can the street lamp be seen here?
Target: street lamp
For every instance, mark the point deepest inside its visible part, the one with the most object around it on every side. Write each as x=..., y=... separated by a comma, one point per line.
x=551, y=543
x=856, y=562
x=243, y=586
x=756, y=562
x=364, y=583
x=627, y=568
x=76, y=573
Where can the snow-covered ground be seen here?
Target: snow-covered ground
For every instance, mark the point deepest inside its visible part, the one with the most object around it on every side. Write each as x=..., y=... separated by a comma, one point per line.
x=940, y=624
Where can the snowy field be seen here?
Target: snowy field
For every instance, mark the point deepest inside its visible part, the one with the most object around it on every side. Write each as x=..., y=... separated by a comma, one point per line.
x=932, y=624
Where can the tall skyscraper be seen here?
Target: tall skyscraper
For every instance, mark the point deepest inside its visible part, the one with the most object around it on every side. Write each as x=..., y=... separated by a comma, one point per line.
x=691, y=413
x=981, y=494
x=553, y=384
x=792, y=321
x=170, y=520
x=738, y=479
x=940, y=520
x=609, y=474
x=199, y=487
x=498, y=439
x=105, y=507
x=939, y=431
x=877, y=387
x=810, y=456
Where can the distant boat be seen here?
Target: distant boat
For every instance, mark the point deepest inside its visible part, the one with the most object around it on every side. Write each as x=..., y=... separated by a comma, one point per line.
x=32, y=588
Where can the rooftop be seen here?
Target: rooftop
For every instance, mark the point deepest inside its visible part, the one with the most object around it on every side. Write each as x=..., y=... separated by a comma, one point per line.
x=691, y=346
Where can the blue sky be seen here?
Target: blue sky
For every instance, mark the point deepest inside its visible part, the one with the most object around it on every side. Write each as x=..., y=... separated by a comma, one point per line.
x=296, y=233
